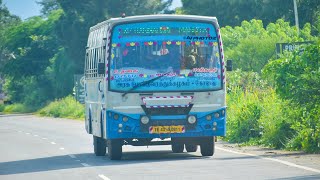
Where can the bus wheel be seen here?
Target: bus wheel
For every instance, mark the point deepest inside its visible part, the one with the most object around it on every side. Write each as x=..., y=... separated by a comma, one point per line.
x=99, y=146
x=114, y=149
x=207, y=146
x=176, y=145
x=191, y=147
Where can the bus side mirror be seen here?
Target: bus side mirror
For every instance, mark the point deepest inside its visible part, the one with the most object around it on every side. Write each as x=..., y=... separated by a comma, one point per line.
x=229, y=65
x=101, y=68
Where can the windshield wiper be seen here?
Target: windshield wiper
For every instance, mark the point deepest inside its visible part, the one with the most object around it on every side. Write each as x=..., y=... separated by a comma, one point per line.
x=145, y=83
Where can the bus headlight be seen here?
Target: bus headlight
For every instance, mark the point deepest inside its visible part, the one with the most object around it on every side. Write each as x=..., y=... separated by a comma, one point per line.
x=208, y=117
x=115, y=116
x=144, y=120
x=124, y=119
x=192, y=119
x=216, y=115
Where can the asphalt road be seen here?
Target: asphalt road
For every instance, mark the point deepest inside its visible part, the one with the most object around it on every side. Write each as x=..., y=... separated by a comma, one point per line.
x=46, y=148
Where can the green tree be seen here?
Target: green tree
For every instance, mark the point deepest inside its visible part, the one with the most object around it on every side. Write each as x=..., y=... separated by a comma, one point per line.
x=48, y=6
x=233, y=12
x=78, y=17
x=6, y=21
x=251, y=45
x=136, y=7
x=297, y=79
x=33, y=43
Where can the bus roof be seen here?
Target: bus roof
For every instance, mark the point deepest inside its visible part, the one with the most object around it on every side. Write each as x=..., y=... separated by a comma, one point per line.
x=154, y=17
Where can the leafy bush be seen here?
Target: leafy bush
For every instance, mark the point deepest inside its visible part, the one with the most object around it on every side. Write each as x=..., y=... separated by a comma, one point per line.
x=297, y=80
x=16, y=108
x=308, y=132
x=67, y=107
x=2, y=107
x=243, y=122
x=255, y=112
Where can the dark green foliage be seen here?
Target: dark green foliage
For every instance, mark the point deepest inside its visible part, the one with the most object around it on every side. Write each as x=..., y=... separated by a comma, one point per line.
x=32, y=44
x=297, y=79
x=251, y=45
x=136, y=7
x=60, y=74
x=6, y=21
x=233, y=12
x=74, y=24
x=48, y=6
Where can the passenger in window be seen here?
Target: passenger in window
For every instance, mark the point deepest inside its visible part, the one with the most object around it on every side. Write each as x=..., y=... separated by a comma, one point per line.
x=191, y=60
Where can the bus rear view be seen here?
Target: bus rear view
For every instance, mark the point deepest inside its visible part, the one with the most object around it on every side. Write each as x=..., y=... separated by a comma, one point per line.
x=155, y=80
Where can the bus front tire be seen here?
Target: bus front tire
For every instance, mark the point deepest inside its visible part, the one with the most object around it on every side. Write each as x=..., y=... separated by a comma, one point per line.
x=191, y=147
x=114, y=149
x=177, y=147
x=207, y=146
x=99, y=145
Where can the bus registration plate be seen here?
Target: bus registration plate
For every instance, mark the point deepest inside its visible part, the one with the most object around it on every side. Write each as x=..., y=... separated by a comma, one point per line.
x=166, y=129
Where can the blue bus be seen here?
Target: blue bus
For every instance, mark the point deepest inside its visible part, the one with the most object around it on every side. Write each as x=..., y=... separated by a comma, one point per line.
x=155, y=80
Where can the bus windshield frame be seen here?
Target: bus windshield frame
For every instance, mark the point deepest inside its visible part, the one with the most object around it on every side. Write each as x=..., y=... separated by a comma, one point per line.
x=185, y=54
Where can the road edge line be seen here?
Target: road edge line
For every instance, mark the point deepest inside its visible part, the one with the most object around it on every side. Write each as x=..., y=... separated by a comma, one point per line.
x=272, y=159
x=103, y=177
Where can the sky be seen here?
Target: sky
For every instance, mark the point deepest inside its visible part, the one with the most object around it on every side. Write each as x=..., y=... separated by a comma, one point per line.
x=29, y=8
x=23, y=8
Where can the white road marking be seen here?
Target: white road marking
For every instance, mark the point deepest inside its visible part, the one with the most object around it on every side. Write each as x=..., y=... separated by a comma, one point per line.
x=272, y=159
x=44, y=138
x=103, y=177
x=62, y=148
x=72, y=156
x=35, y=135
x=85, y=165
x=53, y=143
x=20, y=131
x=27, y=133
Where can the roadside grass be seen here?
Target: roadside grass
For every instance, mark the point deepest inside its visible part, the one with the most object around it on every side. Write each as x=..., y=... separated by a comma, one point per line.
x=256, y=114
x=15, y=108
x=2, y=107
x=66, y=107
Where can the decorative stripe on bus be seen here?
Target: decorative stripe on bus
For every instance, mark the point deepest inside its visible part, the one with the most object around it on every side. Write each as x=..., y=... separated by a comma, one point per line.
x=107, y=52
x=168, y=106
x=222, y=56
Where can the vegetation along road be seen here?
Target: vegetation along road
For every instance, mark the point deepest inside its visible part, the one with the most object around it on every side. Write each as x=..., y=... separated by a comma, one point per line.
x=38, y=148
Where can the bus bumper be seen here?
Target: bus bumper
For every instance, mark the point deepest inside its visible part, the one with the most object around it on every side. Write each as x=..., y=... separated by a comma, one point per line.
x=129, y=126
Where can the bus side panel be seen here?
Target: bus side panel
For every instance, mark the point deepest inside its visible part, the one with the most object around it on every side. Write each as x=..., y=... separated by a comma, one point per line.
x=93, y=107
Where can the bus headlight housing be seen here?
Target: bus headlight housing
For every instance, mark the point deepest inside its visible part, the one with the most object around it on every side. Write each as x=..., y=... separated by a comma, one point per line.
x=192, y=119
x=144, y=120
x=124, y=119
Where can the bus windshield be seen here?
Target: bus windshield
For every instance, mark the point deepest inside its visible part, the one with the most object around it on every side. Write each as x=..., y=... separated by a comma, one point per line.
x=186, y=54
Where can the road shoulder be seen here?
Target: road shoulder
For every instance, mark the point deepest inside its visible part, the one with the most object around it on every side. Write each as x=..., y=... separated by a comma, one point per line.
x=296, y=157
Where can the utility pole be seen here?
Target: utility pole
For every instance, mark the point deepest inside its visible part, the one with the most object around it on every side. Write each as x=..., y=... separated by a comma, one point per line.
x=296, y=14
